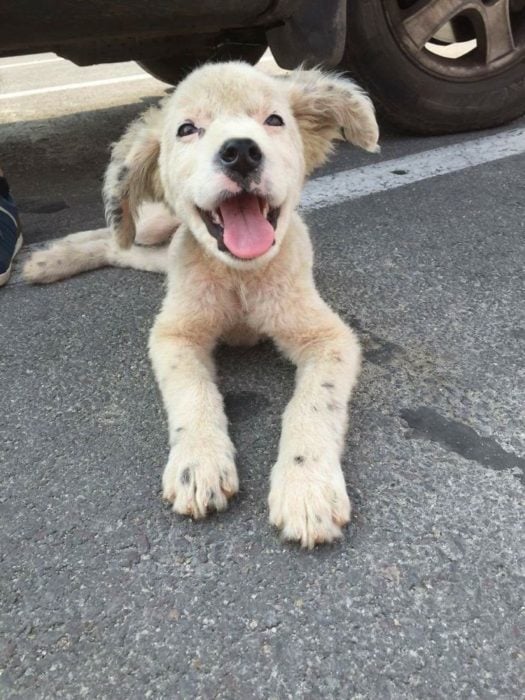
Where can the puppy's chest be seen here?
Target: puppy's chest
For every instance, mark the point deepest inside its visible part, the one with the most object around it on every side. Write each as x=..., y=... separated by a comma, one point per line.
x=244, y=299
x=254, y=301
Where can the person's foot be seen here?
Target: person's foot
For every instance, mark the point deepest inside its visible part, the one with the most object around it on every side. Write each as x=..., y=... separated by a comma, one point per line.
x=10, y=231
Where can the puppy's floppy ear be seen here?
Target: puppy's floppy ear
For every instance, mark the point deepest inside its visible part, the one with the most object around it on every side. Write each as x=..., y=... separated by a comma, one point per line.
x=133, y=176
x=329, y=107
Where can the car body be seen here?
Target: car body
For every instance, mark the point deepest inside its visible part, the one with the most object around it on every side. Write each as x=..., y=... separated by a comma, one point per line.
x=393, y=47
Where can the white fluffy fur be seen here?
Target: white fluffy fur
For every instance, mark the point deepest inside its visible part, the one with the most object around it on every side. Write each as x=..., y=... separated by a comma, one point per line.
x=212, y=296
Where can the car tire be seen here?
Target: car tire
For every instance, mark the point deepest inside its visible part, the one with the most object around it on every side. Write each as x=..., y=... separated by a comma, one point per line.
x=422, y=93
x=172, y=69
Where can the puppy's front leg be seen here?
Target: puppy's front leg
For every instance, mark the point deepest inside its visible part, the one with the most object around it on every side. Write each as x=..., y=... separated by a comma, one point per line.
x=308, y=499
x=200, y=474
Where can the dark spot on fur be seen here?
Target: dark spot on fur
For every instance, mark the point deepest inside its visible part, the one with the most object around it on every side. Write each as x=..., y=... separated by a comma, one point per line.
x=116, y=215
x=113, y=211
x=211, y=495
x=124, y=170
x=328, y=385
x=333, y=406
x=173, y=366
x=177, y=430
x=315, y=409
x=399, y=171
x=298, y=459
x=185, y=477
x=59, y=261
x=41, y=264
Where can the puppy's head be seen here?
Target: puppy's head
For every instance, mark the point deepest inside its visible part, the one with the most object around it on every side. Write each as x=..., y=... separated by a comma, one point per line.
x=236, y=146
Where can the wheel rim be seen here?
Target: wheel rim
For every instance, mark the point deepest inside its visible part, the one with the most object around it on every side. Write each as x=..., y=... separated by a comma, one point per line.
x=459, y=39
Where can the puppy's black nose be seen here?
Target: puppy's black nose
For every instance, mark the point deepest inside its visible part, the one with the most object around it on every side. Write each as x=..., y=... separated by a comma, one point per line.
x=241, y=156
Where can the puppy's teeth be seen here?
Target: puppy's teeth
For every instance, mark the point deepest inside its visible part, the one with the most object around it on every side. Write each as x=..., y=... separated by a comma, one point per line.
x=266, y=209
x=216, y=218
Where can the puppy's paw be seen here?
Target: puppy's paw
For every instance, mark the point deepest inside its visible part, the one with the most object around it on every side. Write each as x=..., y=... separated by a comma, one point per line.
x=200, y=478
x=308, y=503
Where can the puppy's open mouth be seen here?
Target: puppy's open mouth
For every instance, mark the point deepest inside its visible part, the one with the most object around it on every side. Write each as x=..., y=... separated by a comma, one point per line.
x=243, y=225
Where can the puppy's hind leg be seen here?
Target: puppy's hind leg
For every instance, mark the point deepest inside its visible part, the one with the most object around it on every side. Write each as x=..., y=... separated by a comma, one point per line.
x=86, y=236
x=90, y=250
x=145, y=258
x=68, y=256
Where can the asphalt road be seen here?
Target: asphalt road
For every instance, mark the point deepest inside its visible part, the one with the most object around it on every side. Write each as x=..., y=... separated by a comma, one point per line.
x=107, y=594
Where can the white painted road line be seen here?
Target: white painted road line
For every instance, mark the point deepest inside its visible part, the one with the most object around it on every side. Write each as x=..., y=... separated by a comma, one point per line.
x=350, y=184
x=76, y=86
x=38, y=62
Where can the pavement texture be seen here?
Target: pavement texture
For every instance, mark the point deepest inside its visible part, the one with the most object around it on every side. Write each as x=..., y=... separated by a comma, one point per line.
x=108, y=594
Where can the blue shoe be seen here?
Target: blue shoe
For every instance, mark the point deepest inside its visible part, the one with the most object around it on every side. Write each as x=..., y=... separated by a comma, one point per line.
x=10, y=233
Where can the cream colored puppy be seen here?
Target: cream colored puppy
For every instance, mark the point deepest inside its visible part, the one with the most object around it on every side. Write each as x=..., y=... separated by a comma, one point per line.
x=227, y=155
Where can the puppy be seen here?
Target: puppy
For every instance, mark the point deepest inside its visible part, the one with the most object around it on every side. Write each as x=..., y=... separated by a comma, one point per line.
x=226, y=156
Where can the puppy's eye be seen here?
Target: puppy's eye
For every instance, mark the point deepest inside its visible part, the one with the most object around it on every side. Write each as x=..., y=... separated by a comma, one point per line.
x=186, y=129
x=274, y=120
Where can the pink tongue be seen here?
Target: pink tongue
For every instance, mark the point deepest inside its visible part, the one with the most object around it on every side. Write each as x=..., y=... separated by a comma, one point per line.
x=247, y=234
